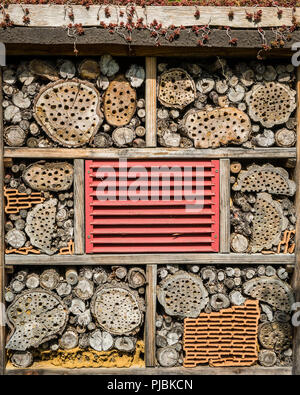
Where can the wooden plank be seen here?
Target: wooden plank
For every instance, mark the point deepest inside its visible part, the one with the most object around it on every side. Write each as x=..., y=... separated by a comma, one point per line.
x=151, y=101
x=150, y=346
x=58, y=15
x=79, y=207
x=296, y=276
x=251, y=371
x=2, y=247
x=146, y=153
x=225, y=205
x=152, y=259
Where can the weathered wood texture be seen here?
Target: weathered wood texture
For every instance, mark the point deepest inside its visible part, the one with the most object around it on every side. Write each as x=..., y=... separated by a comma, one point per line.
x=296, y=276
x=152, y=259
x=151, y=102
x=2, y=247
x=252, y=371
x=57, y=15
x=79, y=206
x=56, y=41
x=224, y=205
x=143, y=153
x=150, y=346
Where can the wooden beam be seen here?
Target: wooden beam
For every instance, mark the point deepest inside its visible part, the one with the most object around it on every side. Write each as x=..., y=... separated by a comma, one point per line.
x=95, y=40
x=151, y=101
x=150, y=346
x=251, y=371
x=296, y=276
x=152, y=259
x=2, y=247
x=58, y=15
x=144, y=153
x=225, y=205
x=79, y=222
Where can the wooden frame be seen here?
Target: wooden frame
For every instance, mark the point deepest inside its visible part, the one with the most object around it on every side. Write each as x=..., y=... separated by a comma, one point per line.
x=152, y=260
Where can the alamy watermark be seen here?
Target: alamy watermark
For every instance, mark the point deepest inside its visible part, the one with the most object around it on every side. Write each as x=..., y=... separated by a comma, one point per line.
x=152, y=183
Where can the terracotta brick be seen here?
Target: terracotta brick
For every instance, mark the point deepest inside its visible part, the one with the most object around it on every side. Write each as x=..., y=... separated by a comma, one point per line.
x=16, y=201
x=228, y=338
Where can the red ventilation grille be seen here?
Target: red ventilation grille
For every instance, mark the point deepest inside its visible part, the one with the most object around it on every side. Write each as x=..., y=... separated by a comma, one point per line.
x=177, y=208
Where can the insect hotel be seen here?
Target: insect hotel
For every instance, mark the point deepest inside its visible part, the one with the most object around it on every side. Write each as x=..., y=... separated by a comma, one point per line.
x=113, y=118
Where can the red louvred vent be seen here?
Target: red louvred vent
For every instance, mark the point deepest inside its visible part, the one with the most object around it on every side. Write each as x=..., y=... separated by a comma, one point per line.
x=136, y=206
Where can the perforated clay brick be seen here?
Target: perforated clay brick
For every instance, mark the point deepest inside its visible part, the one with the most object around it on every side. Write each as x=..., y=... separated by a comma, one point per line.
x=226, y=338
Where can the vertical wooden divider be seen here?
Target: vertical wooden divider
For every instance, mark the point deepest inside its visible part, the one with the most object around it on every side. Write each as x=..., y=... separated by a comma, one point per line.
x=2, y=256
x=224, y=205
x=151, y=102
x=79, y=223
x=296, y=276
x=150, y=358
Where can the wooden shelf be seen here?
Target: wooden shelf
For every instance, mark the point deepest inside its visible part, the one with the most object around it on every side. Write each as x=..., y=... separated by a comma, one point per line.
x=151, y=259
x=252, y=371
x=141, y=153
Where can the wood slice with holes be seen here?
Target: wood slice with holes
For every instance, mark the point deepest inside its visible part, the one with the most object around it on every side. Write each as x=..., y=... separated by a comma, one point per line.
x=119, y=102
x=35, y=316
x=271, y=103
x=268, y=223
x=182, y=294
x=118, y=309
x=49, y=176
x=265, y=178
x=275, y=336
x=69, y=112
x=40, y=226
x=211, y=129
x=176, y=88
x=271, y=290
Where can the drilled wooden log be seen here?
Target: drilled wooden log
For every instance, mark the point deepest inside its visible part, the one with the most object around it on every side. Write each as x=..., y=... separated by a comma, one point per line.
x=71, y=276
x=267, y=358
x=100, y=276
x=14, y=136
x=22, y=359
x=208, y=274
x=125, y=344
x=85, y=318
x=123, y=136
x=120, y=272
x=84, y=288
x=136, y=277
x=15, y=238
x=77, y=306
x=219, y=301
x=101, y=341
x=33, y=281
x=49, y=279
x=69, y=339
x=43, y=69
x=285, y=137
x=63, y=289
x=102, y=140
x=167, y=356
x=239, y=243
